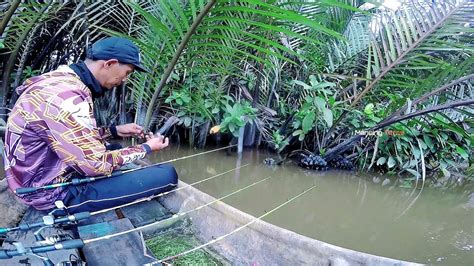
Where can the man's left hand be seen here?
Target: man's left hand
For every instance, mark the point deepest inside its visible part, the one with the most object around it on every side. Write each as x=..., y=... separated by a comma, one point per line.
x=130, y=130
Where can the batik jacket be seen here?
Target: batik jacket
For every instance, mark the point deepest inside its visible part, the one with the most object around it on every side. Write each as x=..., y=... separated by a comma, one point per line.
x=52, y=133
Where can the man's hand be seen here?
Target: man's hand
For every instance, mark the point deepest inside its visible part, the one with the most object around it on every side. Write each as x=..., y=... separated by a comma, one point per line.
x=156, y=142
x=130, y=130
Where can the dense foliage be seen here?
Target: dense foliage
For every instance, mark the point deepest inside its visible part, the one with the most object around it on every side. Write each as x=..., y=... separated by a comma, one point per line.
x=389, y=89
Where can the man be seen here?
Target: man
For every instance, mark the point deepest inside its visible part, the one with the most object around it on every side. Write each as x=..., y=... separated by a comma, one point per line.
x=52, y=136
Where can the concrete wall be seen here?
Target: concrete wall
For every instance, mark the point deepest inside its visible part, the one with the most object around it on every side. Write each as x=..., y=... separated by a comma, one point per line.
x=11, y=209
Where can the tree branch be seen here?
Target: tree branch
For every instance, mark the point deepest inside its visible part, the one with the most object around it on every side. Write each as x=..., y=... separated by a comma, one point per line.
x=347, y=144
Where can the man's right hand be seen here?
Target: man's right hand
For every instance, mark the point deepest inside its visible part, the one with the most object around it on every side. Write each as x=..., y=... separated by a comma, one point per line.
x=156, y=142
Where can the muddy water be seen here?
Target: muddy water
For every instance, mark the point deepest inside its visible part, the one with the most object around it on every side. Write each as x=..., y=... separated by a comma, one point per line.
x=345, y=209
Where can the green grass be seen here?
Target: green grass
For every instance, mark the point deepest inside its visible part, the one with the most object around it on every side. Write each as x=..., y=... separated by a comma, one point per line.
x=172, y=243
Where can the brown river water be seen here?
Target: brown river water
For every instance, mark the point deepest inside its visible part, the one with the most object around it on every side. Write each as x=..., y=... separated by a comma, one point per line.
x=347, y=209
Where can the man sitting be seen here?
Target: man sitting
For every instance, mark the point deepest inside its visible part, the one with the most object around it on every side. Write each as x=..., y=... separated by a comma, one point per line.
x=52, y=136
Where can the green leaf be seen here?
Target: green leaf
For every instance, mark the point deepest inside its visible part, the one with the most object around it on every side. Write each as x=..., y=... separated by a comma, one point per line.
x=186, y=98
x=323, y=85
x=297, y=132
x=381, y=161
x=422, y=144
x=240, y=123
x=398, y=144
x=319, y=102
x=301, y=137
x=313, y=80
x=391, y=162
x=232, y=128
x=301, y=83
x=187, y=121
x=331, y=101
x=341, y=4
x=278, y=13
x=462, y=152
x=308, y=121
x=416, y=152
x=328, y=117
x=428, y=142
x=369, y=109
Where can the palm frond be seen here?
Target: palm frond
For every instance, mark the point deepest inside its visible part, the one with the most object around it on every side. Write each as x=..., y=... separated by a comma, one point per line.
x=17, y=31
x=232, y=33
x=409, y=39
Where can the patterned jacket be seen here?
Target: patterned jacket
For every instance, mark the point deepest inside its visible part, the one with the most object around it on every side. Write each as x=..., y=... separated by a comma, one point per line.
x=52, y=133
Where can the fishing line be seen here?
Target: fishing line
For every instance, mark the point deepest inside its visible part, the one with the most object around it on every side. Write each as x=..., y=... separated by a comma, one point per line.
x=235, y=230
x=153, y=196
x=175, y=216
x=83, y=180
x=180, y=158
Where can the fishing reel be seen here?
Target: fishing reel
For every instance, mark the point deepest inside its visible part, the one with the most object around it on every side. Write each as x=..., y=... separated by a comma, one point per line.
x=20, y=249
x=73, y=261
x=57, y=218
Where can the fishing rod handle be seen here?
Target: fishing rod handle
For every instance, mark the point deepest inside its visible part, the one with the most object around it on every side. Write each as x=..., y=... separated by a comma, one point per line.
x=4, y=254
x=74, y=217
x=26, y=190
x=78, y=181
x=69, y=218
x=68, y=244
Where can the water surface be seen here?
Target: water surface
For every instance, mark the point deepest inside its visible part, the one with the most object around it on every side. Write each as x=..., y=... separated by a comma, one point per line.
x=345, y=209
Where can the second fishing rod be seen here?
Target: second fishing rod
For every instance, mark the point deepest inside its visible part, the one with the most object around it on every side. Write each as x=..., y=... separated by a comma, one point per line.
x=83, y=180
x=52, y=219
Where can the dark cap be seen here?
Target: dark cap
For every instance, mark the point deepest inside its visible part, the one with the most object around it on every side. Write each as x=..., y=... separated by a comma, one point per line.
x=122, y=49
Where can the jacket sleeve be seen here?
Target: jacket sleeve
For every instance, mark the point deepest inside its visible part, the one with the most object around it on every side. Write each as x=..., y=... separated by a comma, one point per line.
x=72, y=134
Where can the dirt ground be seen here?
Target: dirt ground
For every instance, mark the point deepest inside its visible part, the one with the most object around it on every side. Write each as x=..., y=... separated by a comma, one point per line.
x=11, y=208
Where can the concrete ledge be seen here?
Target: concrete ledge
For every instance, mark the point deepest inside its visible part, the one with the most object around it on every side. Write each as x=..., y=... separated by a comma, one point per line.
x=11, y=208
x=260, y=243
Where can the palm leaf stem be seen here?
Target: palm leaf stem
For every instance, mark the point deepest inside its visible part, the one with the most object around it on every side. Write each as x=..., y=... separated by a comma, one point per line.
x=13, y=56
x=6, y=18
x=206, y=9
x=388, y=68
x=342, y=147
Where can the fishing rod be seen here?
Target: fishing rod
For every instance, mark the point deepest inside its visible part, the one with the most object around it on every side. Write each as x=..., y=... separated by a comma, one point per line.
x=235, y=230
x=48, y=220
x=58, y=242
x=152, y=196
x=175, y=216
x=79, y=243
x=83, y=180
x=20, y=251
x=51, y=220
